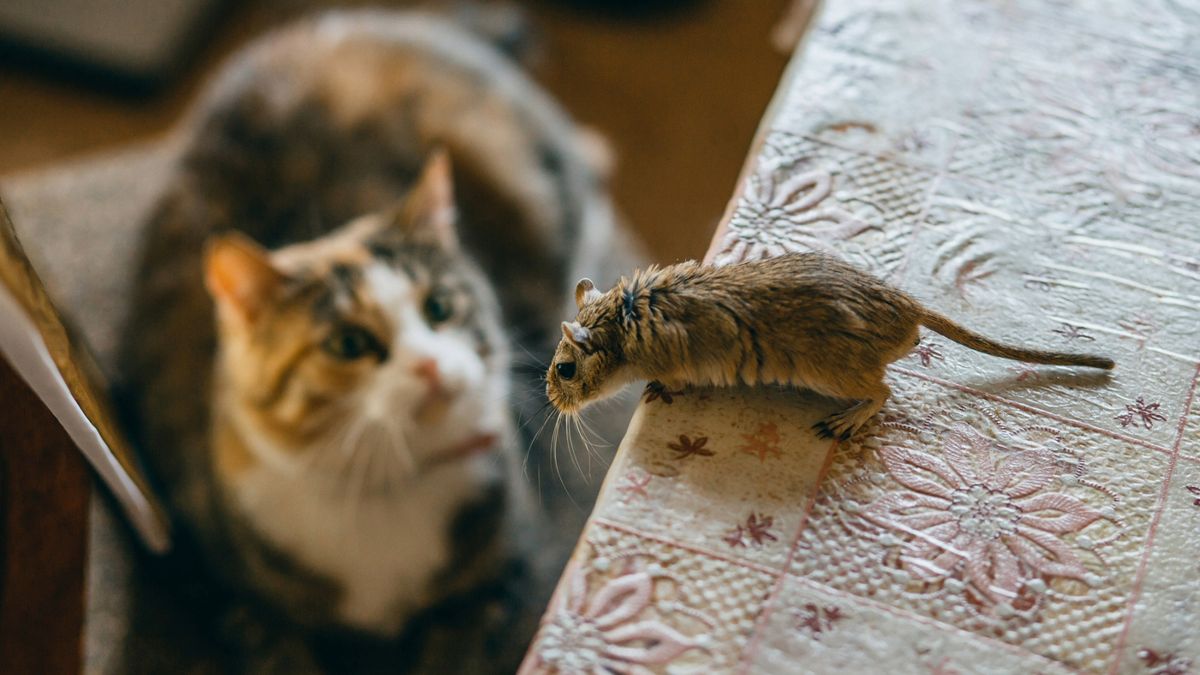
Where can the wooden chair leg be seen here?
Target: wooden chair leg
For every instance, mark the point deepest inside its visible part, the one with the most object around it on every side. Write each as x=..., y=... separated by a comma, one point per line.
x=44, y=491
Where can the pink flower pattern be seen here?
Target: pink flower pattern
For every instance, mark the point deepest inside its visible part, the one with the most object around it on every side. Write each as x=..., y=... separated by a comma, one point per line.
x=927, y=353
x=756, y=531
x=1164, y=664
x=611, y=631
x=814, y=619
x=1140, y=413
x=763, y=443
x=1072, y=332
x=981, y=512
x=634, y=486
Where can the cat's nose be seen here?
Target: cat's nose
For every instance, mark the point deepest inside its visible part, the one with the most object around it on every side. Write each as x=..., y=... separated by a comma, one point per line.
x=437, y=398
x=427, y=371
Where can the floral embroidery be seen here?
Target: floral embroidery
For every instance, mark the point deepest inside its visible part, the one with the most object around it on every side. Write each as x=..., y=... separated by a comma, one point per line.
x=1164, y=664
x=943, y=667
x=657, y=390
x=1025, y=371
x=1140, y=326
x=634, y=485
x=815, y=619
x=971, y=273
x=1043, y=283
x=1140, y=413
x=618, y=629
x=662, y=469
x=686, y=447
x=928, y=352
x=1073, y=332
x=763, y=443
x=781, y=213
x=1194, y=489
x=984, y=513
x=756, y=531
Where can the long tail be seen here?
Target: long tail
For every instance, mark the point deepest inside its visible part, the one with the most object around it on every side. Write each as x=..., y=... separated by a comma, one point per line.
x=944, y=326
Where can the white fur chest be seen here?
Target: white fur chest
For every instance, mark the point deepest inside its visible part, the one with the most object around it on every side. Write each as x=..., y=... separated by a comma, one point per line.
x=381, y=550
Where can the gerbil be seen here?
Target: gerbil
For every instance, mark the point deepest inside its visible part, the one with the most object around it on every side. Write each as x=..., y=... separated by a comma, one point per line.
x=804, y=319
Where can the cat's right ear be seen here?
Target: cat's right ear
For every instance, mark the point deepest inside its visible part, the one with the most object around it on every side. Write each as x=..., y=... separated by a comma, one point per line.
x=428, y=212
x=239, y=275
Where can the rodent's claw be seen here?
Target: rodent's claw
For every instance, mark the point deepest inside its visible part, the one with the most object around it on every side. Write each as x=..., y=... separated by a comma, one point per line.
x=823, y=430
x=840, y=425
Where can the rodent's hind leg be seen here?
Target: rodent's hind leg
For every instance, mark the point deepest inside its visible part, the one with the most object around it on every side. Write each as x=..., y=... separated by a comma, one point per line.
x=842, y=425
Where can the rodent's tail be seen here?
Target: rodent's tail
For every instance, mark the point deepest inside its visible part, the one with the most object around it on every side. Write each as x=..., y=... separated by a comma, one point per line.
x=944, y=326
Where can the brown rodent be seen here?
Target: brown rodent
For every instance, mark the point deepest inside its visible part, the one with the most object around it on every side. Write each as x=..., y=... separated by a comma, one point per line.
x=804, y=319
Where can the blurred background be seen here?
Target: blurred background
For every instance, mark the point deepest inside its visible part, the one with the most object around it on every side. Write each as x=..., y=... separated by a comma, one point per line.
x=677, y=86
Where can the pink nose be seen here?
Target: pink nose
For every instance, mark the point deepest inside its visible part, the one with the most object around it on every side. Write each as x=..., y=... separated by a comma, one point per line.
x=436, y=400
x=427, y=370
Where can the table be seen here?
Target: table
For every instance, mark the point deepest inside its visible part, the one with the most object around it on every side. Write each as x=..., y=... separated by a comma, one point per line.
x=1031, y=168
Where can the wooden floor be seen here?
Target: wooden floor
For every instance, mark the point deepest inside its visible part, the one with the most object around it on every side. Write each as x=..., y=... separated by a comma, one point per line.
x=678, y=93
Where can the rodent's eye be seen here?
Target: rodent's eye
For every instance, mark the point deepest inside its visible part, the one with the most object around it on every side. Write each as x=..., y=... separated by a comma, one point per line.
x=438, y=307
x=565, y=369
x=350, y=343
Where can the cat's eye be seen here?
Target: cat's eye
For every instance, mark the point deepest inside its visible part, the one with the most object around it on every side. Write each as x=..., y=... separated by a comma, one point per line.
x=439, y=307
x=350, y=343
x=565, y=369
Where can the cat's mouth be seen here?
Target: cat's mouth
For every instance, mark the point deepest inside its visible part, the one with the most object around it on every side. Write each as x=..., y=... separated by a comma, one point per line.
x=472, y=446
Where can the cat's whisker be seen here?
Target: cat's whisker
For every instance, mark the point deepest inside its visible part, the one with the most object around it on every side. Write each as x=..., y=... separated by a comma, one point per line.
x=354, y=447
x=405, y=455
x=393, y=465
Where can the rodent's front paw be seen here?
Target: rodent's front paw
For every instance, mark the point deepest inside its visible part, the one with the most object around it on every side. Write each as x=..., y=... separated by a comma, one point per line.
x=841, y=425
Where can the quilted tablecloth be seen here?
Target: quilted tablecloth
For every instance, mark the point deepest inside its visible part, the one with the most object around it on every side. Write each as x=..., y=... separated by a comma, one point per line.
x=1032, y=168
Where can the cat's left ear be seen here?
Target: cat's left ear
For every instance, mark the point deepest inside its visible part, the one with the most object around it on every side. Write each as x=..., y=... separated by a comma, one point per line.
x=428, y=213
x=239, y=275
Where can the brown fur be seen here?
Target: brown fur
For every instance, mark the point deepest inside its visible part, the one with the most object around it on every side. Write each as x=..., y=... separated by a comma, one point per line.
x=806, y=320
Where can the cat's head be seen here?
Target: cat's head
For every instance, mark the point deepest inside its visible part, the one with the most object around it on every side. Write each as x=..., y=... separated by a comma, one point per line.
x=377, y=346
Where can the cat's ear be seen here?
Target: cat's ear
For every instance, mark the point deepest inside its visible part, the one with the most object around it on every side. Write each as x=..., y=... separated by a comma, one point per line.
x=239, y=275
x=578, y=335
x=428, y=213
x=585, y=292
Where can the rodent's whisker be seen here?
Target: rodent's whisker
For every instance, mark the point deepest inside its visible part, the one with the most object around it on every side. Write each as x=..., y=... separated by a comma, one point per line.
x=557, y=468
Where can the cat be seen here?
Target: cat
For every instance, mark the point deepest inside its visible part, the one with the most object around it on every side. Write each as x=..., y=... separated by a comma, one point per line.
x=345, y=300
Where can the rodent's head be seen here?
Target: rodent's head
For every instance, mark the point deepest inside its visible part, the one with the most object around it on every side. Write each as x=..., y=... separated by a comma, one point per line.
x=587, y=365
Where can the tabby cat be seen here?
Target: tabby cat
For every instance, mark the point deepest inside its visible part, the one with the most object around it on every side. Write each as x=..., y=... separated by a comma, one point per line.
x=332, y=367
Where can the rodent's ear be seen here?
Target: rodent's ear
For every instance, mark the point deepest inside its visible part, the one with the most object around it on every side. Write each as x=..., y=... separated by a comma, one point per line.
x=428, y=213
x=576, y=334
x=239, y=275
x=585, y=292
